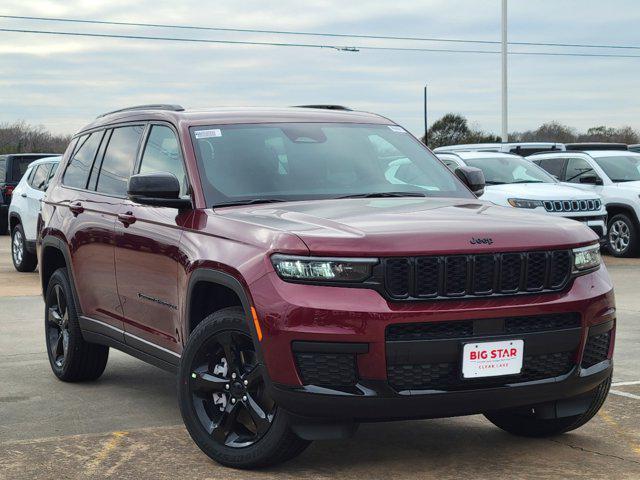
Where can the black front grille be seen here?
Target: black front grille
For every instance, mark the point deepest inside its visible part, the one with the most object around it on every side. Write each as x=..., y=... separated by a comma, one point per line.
x=446, y=376
x=428, y=355
x=451, y=276
x=327, y=369
x=596, y=350
x=572, y=206
x=466, y=328
x=430, y=331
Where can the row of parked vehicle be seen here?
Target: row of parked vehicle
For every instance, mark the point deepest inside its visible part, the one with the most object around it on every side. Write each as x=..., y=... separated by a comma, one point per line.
x=595, y=183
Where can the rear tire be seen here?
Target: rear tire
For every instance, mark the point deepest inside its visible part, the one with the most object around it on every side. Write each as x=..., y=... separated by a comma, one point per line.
x=23, y=259
x=523, y=423
x=72, y=359
x=223, y=397
x=622, y=236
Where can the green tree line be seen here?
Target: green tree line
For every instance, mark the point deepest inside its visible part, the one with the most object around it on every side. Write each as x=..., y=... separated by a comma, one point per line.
x=454, y=129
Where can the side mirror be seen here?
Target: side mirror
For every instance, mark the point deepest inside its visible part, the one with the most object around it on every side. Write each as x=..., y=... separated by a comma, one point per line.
x=159, y=189
x=473, y=178
x=591, y=179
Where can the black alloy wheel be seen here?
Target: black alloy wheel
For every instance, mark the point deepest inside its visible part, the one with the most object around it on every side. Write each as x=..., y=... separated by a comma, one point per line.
x=228, y=391
x=57, y=326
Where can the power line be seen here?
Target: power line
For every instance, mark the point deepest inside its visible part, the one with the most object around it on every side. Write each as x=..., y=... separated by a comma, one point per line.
x=306, y=45
x=318, y=34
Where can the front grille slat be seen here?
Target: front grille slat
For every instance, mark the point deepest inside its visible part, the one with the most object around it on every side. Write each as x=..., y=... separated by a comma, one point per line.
x=451, y=276
x=327, y=369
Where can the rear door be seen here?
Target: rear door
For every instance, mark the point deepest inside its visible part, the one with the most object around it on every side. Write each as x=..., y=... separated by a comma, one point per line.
x=147, y=253
x=34, y=191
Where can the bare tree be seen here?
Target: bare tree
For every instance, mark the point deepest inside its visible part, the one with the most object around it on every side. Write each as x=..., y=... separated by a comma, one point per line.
x=19, y=137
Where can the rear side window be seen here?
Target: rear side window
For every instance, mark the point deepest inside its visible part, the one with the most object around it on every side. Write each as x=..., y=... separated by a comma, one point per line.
x=552, y=165
x=162, y=154
x=119, y=159
x=40, y=176
x=77, y=171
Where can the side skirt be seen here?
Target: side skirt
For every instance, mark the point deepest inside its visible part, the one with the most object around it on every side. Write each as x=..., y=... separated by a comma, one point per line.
x=101, y=333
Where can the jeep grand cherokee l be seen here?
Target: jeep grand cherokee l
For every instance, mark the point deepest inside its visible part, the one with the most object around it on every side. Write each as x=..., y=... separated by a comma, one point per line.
x=298, y=289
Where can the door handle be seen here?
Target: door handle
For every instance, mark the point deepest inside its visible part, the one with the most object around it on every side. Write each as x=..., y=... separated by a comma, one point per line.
x=23, y=195
x=76, y=208
x=127, y=218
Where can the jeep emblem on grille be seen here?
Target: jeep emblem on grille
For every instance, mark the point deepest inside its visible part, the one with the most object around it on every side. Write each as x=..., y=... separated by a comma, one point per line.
x=479, y=241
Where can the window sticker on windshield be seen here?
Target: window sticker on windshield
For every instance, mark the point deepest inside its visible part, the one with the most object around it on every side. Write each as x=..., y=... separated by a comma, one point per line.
x=214, y=132
x=396, y=128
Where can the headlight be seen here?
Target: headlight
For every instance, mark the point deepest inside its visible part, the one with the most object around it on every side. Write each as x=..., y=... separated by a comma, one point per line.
x=323, y=269
x=586, y=258
x=522, y=203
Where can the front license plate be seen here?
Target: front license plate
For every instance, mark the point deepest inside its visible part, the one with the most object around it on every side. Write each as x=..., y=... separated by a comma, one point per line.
x=492, y=359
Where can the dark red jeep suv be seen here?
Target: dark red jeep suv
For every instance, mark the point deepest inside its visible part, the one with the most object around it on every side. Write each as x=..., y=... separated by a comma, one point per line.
x=304, y=270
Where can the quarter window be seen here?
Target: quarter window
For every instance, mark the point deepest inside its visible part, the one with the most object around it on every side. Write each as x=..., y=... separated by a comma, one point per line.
x=162, y=154
x=119, y=159
x=77, y=172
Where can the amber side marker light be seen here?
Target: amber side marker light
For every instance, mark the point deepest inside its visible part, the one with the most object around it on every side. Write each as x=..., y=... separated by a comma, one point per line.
x=256, y=323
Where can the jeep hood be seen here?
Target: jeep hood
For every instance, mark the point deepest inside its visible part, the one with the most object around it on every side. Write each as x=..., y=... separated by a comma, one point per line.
x=409, y=226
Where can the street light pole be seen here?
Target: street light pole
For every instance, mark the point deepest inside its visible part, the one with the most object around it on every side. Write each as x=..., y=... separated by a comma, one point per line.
x=426, y=123
x=505, y=109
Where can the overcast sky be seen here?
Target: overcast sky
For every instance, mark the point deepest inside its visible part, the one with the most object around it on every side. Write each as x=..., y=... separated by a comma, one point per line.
x=64, y=82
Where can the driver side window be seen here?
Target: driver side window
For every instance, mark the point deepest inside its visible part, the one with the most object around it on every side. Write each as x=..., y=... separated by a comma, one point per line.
x=162, y=154
x=577, y=168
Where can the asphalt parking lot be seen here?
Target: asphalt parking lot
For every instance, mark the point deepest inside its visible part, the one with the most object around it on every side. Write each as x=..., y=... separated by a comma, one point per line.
x=127, y=424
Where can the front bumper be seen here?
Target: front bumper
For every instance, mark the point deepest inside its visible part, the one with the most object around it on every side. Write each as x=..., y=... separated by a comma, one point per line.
x=292, y=315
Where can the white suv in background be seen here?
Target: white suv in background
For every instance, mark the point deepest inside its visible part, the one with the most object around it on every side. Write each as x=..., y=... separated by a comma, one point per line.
x=615, y=176
x=523, y=149
x=514, y=181
x=24, y=209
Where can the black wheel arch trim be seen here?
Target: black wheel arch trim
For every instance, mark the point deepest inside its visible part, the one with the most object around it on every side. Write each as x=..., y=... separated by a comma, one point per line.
x=210, y=275
x=60, y=245
x=623, y=206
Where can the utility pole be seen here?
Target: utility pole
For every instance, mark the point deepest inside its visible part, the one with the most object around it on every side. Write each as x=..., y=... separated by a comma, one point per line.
x=426, y=123
x=505, y=106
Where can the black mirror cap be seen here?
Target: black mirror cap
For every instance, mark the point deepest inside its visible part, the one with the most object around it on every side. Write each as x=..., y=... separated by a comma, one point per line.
x=473, y=178
x=591, y=180
x=161, y=189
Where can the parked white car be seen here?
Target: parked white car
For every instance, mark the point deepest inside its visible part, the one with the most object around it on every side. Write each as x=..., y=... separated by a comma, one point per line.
x=615, y=176
x=24, y=209
x=518, y=148
x=516, y=182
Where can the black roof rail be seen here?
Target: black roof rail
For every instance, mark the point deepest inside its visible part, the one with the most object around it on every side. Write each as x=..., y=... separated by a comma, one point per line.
x=152, y=106
x=326, y=107
x=596, y=146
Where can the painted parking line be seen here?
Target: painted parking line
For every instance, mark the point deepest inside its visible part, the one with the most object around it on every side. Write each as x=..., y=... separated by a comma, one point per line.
x=625, y=394
x=624, y=384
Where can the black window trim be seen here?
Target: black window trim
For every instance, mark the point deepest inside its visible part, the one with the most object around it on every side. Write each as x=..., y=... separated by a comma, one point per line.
x=105, y=129
x=145, y=139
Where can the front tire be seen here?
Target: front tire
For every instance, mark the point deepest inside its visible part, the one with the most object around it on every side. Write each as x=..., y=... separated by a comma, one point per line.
x=72, y=359
x=523, y=423
x=223, y=397
x=622, y=236
x=23, y=260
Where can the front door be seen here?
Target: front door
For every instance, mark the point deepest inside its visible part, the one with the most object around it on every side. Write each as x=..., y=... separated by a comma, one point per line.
x=148, y=254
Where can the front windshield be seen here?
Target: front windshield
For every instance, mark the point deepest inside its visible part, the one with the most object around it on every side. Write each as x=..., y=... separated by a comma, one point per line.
x=300, y=161
x=623, y=168
x=498, y=171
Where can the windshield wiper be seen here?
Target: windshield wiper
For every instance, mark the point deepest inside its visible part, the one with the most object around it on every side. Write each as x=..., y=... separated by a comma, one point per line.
x=494, y=183
x=384, y=195
x=528, y=181
x=251, y=201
